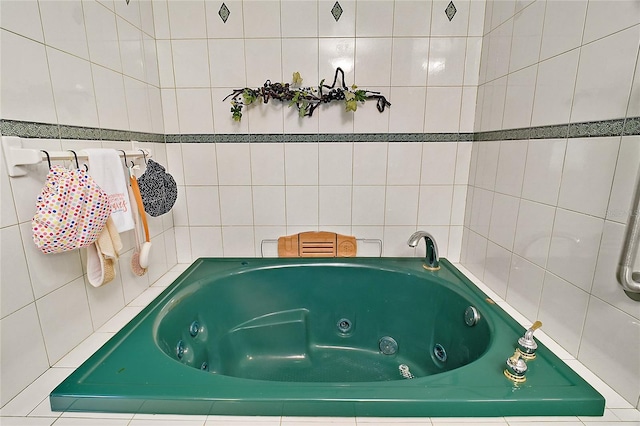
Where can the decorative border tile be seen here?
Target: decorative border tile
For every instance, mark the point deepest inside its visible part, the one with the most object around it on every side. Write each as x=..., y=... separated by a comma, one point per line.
x=198, y=138
x=267, y=138
x=231, y=138
x=494, y=135
x=371, y=137
x=146, y=137
x=631, y=126
x=618, y=127
x=116, y=135
x=596, y=128
x=406, y=137
x=503, y=135
x=311, y=137
x=441, y=137
x=335, y=137
x=27, y=129
x=560, y=131
x=518, y=134
x=75, y=132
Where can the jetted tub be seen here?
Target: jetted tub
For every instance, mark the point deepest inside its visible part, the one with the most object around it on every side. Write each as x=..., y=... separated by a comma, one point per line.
x=352, y=337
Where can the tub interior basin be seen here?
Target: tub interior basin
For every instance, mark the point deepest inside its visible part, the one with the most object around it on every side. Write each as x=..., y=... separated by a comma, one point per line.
x=320, y=324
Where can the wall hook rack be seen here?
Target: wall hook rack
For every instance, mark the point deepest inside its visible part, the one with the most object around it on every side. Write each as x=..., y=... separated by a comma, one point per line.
x=17, y=157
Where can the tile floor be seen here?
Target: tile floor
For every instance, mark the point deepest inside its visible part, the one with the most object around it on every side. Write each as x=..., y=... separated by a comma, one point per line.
x=31, y=407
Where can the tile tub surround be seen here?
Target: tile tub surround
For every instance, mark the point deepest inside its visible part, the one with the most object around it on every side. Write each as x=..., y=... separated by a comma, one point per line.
x=31, y=407
x=354, y=195
x=548, y=203
x=89, y=70
x=47, y=307
x=548, y=239
x=160, y=101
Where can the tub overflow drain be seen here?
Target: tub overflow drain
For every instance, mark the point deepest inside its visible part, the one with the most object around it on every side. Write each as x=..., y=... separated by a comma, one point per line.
x=471, y=316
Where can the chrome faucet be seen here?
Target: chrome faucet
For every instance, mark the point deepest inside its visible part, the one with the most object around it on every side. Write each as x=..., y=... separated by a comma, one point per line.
x=431, y=260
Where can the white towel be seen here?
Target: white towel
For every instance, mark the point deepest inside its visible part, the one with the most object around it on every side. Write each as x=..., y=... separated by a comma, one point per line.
x=106, y=168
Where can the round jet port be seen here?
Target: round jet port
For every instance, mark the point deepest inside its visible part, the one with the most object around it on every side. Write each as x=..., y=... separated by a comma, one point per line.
x=194, y=329
x=180, y=349
x=204, y=366
x=388, y=345
x=344, y=325
x=439, y=352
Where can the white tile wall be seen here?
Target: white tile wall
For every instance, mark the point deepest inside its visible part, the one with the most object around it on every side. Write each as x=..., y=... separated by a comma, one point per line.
x=110, y=97
x=574, y=247
x=525, y=286
x=102, y=35
x=190, y=63
x=186, y=19
x=308, y=186
x=554, y=89
x=563, y=308
x=195, y=114
x=543, y=170
x=72, y=89
x=62, y=29
x=601, y=63
x=137, y=104
x=527, y=36
x=19, y=16
x=563, y=27
x=510, y=172
x=519, y=98
x=559, y=66
x=374, y=18
x=599, y=23
x=20, y=368
x=82, y=63
x=131, y=49
x=589, y=165
x=29, y=70
x=622, y=190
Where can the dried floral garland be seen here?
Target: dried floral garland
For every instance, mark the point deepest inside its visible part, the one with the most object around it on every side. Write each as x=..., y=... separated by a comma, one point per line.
x=306, y=99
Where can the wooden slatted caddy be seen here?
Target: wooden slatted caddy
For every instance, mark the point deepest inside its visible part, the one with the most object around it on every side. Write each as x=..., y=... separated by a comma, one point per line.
x=317, y=244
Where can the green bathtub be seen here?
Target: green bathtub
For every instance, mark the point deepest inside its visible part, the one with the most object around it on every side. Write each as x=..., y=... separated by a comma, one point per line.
x=322, y=337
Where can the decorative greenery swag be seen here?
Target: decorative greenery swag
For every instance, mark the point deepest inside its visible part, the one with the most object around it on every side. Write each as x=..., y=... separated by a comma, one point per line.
x=306, y=99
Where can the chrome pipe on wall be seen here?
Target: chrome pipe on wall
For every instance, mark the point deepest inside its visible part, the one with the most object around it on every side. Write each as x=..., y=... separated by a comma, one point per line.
x=629, y=279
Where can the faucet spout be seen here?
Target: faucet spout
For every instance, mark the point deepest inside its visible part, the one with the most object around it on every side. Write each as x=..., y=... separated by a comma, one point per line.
x=431, y=260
